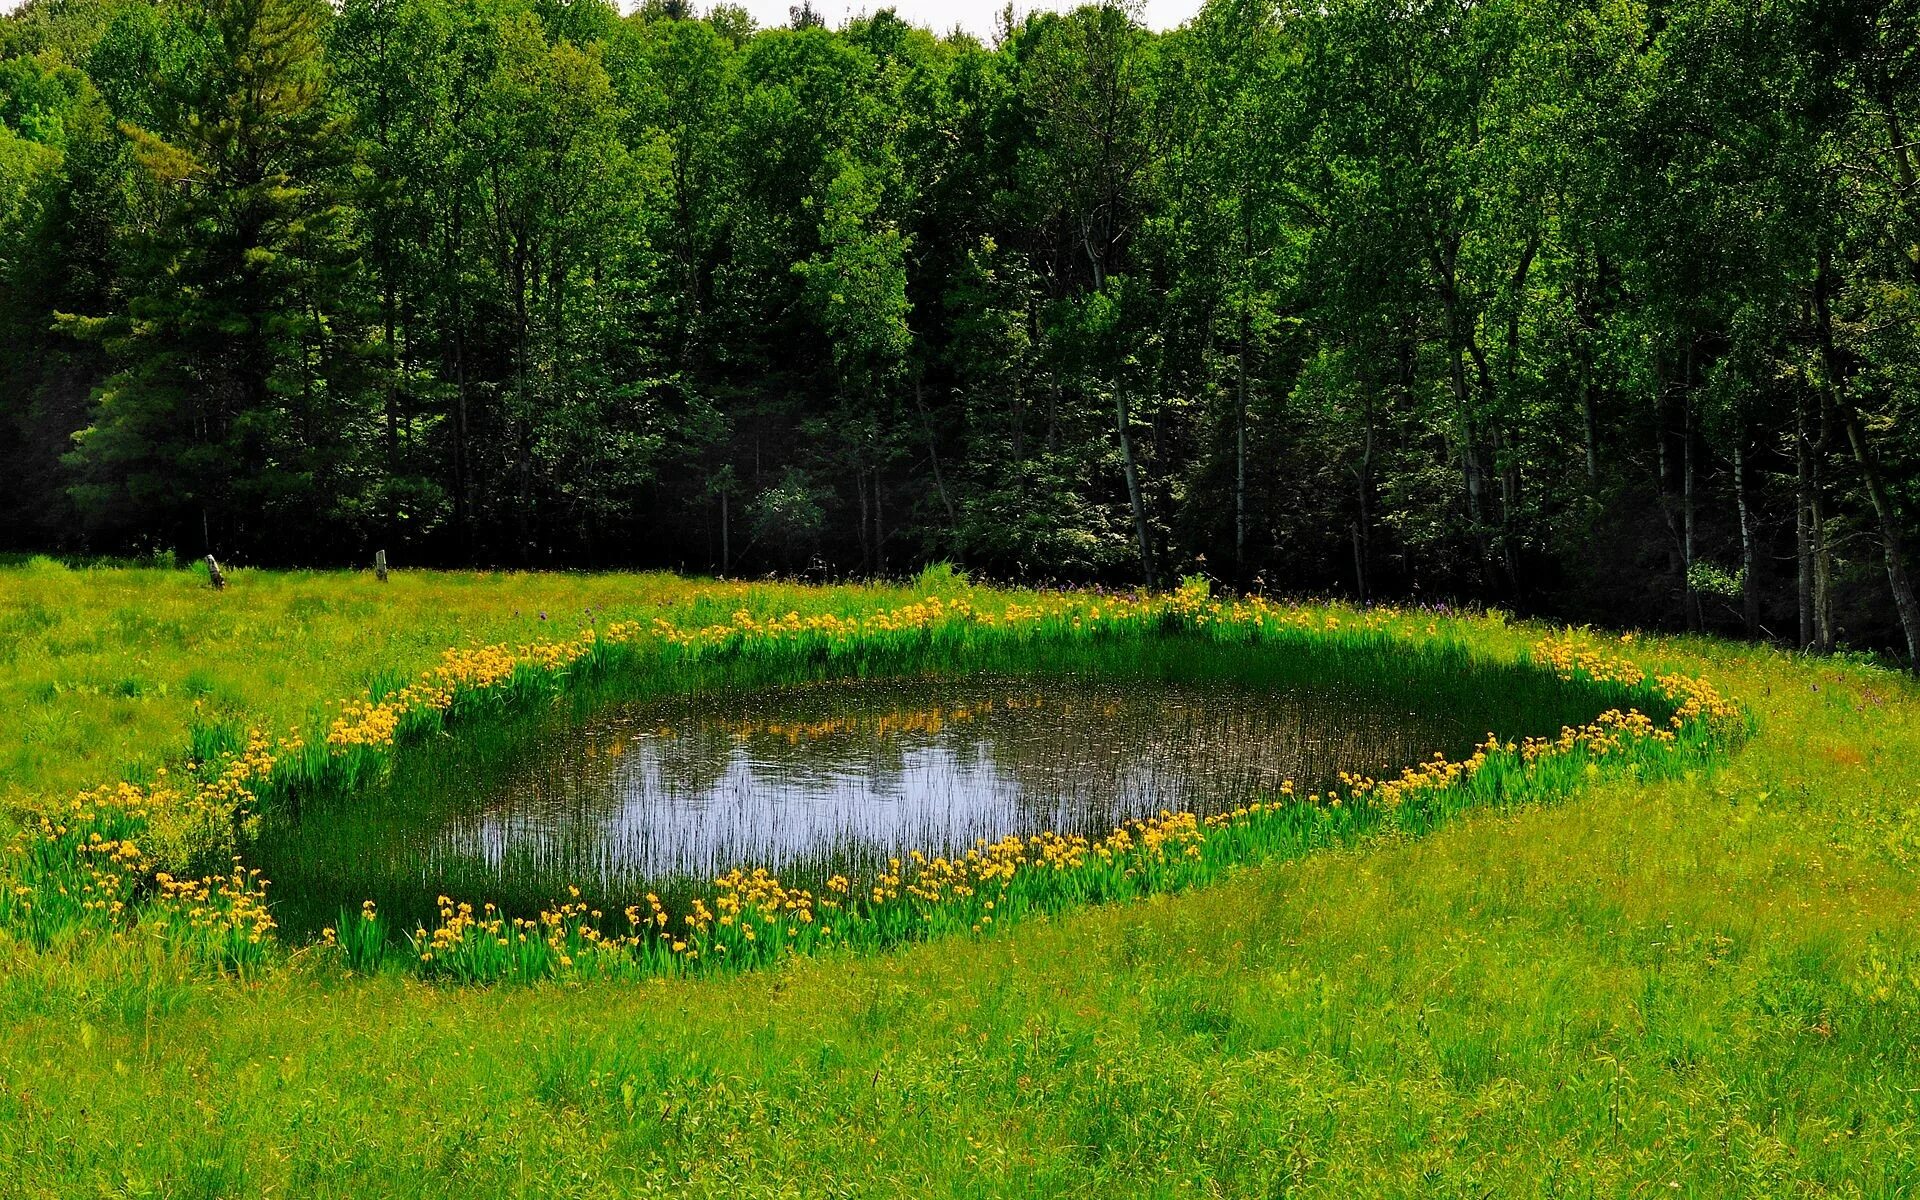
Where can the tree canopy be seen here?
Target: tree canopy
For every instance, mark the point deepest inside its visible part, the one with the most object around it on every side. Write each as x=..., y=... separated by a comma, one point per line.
x=1603, y=309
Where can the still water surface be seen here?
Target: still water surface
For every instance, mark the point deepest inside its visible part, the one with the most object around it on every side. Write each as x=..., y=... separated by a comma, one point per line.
x=813, y=779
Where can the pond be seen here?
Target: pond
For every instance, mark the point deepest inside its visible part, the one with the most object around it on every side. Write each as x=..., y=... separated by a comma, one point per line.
x=829, y=776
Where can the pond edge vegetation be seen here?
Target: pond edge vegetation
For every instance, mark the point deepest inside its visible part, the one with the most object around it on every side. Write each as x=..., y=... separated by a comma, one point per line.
x=135, y=859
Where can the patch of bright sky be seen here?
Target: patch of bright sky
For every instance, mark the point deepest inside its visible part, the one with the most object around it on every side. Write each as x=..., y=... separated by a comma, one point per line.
x=978, y=17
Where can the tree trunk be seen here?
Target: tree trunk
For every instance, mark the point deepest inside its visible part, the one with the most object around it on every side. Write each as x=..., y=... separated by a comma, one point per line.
x=1841, y=405
x=1803, y=518
x=1133, y=485
x=1586, y=324
x=860, y=486
x=1890, y=540
x=387, y=305
x=933, y=452
x=1240, y=455
x=1678, y=551
x=1822, y=549
x=1363, y=523
x=1749, y=550
x=1469, y=455
x=1823, y=638
x=1696, y=619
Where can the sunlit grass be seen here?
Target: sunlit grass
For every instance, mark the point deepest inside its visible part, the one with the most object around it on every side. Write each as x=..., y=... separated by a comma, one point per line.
x=102, y=669
x=1703, y=984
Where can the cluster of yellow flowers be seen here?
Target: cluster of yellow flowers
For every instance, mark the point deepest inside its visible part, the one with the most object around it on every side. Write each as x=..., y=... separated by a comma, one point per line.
x=1436, y=774
x=564, y=930
x=1698, y=698
x=1609, y=734
x=1570, y=657
x=226, y=906
x=469, y=668
x=92, y=856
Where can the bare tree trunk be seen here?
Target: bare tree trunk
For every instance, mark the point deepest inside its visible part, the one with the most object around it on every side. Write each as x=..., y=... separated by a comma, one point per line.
x=1696, y=619
x=462, y=475
x=1470, y=459
x=1509, y=500
x=1586, y=405
x=1240, y=456
x=860, y=486
x=1583, y=359
x=1363, y=523
x=1749, y=551
x=1133, y=484
x=1841, y=405
x=1803, y=518
x=387, y=305
x=933, y=452
x=1890, y=539
x=1509, y=474
x=1822, y=549
x=1469, y=463
x=1678, y=551
x=1823, y=638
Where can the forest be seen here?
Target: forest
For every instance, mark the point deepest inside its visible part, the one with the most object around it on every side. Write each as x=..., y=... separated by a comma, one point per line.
x=1590, y=308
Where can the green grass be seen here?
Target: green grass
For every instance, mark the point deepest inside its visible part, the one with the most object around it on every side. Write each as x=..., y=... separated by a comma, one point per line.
x=1703, y=985
x=102, y=669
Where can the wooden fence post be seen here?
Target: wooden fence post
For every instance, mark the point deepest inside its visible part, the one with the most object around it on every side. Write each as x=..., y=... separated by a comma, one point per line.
x=380, y=565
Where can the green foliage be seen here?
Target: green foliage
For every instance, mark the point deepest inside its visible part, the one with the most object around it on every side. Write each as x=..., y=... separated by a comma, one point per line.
x=1535, y=305
x=940, y=579
x=1709, y=580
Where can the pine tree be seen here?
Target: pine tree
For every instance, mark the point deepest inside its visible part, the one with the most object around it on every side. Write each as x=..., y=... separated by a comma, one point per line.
x=239, y=344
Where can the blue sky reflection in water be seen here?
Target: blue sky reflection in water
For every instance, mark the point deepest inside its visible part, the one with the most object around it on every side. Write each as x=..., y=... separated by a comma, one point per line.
x=825, y=777
x=865, y=770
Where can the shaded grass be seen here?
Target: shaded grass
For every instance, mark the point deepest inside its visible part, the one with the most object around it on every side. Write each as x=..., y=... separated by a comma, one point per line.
x=1700, y=986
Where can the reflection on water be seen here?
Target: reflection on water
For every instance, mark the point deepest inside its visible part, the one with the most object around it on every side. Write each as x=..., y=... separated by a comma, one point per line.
x=808, y=780
x=867, y=770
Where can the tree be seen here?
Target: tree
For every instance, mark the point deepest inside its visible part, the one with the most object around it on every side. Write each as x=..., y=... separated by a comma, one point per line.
x=233, y=414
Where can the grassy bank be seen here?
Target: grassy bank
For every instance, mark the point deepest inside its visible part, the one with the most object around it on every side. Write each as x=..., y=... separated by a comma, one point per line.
x=103, y=669
x=1701, y=981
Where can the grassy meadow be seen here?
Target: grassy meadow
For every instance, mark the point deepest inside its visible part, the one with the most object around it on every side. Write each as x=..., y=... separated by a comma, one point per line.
x=1696, y=980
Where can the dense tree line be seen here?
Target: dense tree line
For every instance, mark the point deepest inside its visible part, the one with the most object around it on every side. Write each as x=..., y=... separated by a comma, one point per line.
x=1609, y=309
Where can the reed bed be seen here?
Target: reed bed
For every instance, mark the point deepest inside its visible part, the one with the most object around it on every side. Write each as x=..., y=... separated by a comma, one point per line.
x=158, y=857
